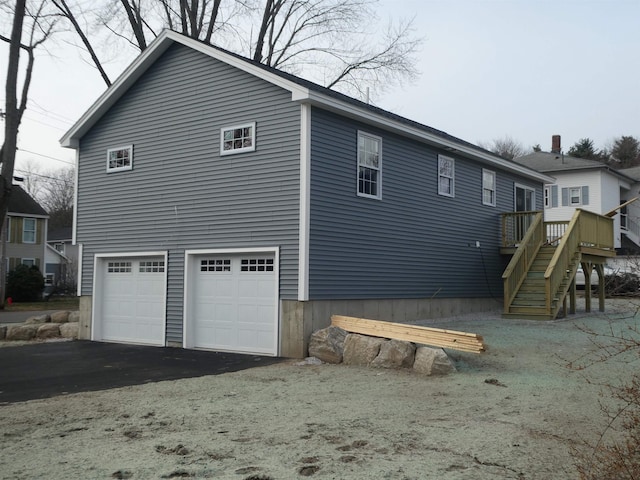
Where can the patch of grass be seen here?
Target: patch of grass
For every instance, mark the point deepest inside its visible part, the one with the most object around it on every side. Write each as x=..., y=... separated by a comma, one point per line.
x=56, y=303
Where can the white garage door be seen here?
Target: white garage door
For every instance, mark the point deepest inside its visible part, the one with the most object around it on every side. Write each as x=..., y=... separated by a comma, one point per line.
x=233, y=303
x=131, y=301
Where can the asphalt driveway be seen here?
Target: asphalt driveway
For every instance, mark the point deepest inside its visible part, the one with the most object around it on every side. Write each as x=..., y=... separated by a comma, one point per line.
x=48, y=369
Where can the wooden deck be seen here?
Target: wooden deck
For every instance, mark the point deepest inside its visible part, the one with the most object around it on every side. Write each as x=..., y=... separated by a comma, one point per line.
x=545, y=256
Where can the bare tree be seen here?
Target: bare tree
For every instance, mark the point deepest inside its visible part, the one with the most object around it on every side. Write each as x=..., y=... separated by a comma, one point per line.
x=335, y=42
x=57, y=196
x=506, y=147
x=38, y=27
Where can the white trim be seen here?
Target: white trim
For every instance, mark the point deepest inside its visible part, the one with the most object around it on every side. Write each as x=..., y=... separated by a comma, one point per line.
x=234, y=151
x=32, y=259
x=525, y=187
x=378, y=195
x=117, y=149
x=79, y=271
x=53, y=250
x=35, y=230
x=452, y=193
x=98, y=261
x=231, y=251
x=495, y=188
x=74, y=225
x=305, y=202
x=298, y=93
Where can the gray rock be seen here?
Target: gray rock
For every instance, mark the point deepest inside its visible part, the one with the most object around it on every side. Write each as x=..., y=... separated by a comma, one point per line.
x=3, y=332
x=48, y=330
x=360, y=349
x=395, y=354
x=328, y=344
x=432, y=361
x=38, y=319
x=69, y=330
x=60, y=317
x=74, y=317
x=21, y=332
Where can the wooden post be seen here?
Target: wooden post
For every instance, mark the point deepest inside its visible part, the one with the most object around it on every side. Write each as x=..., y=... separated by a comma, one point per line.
x=601, y=296
x=586, y=269
x=572, y=296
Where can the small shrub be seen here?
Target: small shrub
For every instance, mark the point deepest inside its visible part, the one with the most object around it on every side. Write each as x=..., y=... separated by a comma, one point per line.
x=25, y=284
x=622, y=283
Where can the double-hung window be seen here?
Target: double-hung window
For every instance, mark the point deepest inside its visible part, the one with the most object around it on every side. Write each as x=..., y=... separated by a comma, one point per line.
x=237, y=139
x=575, y=197
x=120, y=159
x=369, y=165
x=446, y=176
x=488, y=188
x=29, y=230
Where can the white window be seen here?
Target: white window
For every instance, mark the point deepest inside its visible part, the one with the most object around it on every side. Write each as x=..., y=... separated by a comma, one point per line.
x=238, y=139
x=29, y=262
x=488, y=187
x=29, y=230
x=59, y=247
x=446, y=176
x=215, y=265
x=119, y=267
x=48, y=279
x=575, y=197
x=120, y=159
x=547, y=197
x=369, y=165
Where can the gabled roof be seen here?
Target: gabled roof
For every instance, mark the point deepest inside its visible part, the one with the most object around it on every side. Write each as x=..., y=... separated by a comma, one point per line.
x=554, y=163
x=21, y=203
x=301, y=90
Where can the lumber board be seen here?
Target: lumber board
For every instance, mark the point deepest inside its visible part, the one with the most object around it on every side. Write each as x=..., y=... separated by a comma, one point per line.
x=437, y=337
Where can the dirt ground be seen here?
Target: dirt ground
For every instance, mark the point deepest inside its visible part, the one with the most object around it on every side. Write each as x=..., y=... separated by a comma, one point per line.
x=510, y=413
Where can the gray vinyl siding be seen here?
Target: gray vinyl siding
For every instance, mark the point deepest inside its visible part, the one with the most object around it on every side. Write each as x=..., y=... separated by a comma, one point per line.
x=181, y=194
x=413, y=243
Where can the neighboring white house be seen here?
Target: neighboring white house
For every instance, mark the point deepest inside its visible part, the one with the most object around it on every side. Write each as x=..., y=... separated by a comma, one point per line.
x=589, y=185
x=61, y=259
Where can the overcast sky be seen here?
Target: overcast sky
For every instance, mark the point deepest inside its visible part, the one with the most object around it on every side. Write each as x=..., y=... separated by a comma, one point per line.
x=523, y=68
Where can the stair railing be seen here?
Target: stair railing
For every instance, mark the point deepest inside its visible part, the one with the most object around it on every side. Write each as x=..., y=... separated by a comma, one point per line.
x=516, y=271
x=586, y=229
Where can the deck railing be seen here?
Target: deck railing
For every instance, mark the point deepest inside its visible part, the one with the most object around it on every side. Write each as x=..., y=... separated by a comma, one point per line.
x=515, y=226
x=586, y=229
x=529, y=244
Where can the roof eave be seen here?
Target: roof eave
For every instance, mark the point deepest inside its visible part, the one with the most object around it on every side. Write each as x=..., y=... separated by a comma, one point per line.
x=352, y=111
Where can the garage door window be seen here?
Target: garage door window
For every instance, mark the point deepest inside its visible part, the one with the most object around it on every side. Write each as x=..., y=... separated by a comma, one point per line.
x=119, y=267
x=215, y=265
x=256, y=265
x=151, y=267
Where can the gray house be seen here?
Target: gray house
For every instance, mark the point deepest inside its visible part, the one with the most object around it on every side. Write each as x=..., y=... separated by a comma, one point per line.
x=225, y=205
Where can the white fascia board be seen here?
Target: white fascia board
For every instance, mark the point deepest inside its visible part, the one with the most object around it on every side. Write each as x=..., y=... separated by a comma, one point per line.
x=140, y=65
x=352, y=111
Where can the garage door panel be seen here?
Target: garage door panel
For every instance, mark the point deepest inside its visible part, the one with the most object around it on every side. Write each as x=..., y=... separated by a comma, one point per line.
x=131, y=307
x=233, y=299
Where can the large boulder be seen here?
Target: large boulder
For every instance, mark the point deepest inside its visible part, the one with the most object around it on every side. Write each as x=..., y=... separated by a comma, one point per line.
x=395, y=354
x=60, y=317
x=21, y=332
x=432, y=361
x=38, y=319
x=360, y=349
x=328, y=344
x=48, y=330
x=69, y=330
x=74, y=317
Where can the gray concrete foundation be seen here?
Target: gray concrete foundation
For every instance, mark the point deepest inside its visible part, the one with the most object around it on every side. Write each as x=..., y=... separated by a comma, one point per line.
x=300, y=319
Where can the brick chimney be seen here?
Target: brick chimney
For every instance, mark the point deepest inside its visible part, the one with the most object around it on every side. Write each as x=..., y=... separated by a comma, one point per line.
x=555, y=144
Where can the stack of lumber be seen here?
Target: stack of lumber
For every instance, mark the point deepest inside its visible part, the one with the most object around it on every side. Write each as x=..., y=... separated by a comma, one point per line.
x=437, y=337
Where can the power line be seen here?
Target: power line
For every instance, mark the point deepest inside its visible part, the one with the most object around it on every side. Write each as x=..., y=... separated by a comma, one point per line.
x=47, y=156
x=27, y=173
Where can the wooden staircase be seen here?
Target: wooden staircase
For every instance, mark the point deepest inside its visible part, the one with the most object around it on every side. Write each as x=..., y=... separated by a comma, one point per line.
x=546, y=257
x=531, y=301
